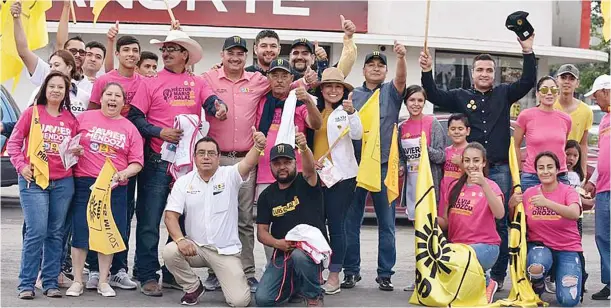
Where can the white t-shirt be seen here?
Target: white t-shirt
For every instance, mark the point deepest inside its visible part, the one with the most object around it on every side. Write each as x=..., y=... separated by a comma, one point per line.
x=78, y=102
x=210, y=209
x=43, y=69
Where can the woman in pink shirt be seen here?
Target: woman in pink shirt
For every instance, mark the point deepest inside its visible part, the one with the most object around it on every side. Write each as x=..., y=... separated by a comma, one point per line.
x=545, y=129
x=44, y=210
x=552, y=209
x=104, y=134
x=474, y=203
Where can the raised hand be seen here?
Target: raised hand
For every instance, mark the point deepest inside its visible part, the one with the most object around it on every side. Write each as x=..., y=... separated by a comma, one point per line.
x=426, y=61
x=16, y=9
x=348, y=26
x=303, y=95
x=347, y=104
x=113, y=32
x=527, y=45
x=300, y=139
x=259, y=139
x=320, y=52
x=399, y=50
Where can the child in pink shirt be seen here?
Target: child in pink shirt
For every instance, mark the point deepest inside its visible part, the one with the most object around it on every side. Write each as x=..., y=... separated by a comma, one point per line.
x=474, y=203
x=458, y=130
x=552, y=209
x=545, y=129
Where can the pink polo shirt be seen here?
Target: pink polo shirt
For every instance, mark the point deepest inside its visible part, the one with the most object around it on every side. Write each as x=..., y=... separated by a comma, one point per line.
x=242, y=98
x=167, y=95
x=546, y=226
x=544, y=131
x=130, y=86
x=604, y=143
x=54, y=131
x=471, y=221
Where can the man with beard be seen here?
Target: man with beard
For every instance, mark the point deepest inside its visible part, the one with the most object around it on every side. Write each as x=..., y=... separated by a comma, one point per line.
x=94, y=58
x=267, y=49
x=293, y=199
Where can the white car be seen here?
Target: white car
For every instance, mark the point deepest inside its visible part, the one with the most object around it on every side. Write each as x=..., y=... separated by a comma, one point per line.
x=593, y=132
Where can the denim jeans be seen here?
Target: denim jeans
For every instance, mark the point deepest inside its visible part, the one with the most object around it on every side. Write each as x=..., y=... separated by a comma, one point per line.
x=486, y=256
x=601, y=220
x=528, y=180
x=567, y=265
x=44, y=214
x=153, y=191
x=385, y=214
x=501, y=175
x=286, y=276
x=337, y=201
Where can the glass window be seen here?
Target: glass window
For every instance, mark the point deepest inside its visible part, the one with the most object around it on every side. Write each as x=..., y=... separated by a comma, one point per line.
x=453, y=70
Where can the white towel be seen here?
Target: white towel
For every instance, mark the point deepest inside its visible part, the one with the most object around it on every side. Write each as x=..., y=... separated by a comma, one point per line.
x=311, y=241
x=286, y=132
x=180, y=156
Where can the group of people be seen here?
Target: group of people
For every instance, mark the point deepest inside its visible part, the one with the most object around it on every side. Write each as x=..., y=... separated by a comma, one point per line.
x=130, y=115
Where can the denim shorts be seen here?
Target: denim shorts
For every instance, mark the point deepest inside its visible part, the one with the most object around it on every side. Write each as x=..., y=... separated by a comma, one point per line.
x=82, y=191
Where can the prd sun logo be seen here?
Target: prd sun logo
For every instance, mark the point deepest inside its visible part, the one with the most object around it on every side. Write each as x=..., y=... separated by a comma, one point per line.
x=433, y=247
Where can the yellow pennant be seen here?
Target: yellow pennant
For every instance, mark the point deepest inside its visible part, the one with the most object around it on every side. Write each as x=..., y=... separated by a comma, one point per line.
x=36, y=151
x=104, y=236
x=369, y=175
x=98, y=6
x=392, y=176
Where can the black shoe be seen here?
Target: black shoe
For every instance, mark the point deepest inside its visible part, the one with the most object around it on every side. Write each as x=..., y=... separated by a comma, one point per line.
x=385, y=284
x=67, y=270
x=602, y=294
x=296, y=299
x=350, y=281
x=168, y=282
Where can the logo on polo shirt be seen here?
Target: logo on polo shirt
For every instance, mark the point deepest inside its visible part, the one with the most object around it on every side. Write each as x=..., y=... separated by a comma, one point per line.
x=218, y=188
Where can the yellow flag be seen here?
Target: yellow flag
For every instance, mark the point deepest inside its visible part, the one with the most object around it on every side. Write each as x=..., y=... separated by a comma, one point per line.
x=521, y=293
x=36, y=151
x=98, y=6
x=104, y=236
x=369, y=176
x=446, y=274
x=392, y=176
x=605, y=9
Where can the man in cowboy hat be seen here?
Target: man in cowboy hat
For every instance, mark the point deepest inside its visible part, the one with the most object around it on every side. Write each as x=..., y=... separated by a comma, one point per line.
x=157, y=102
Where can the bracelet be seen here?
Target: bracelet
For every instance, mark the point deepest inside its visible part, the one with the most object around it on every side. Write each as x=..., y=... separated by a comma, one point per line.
x=180, y=239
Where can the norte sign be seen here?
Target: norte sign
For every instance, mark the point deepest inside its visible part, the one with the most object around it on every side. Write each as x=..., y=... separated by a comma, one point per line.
x=272, y=14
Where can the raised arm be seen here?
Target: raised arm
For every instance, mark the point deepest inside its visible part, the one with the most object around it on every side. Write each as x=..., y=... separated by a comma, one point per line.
x=349, y=51
x=434, y=95
x=314, y=118
x=252, y=157
x=401, y=73
x=109, y=61
x=527, y=81
x=29, y=58
x=307, y=158
x=62, y=28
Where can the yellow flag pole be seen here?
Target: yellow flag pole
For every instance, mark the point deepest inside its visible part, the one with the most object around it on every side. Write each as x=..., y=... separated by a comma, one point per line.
x=344, y=132
x=426, y=26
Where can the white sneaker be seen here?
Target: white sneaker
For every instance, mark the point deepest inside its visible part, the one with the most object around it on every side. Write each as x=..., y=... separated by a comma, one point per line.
x=76, y=289
x=550, y=287
x=121, y=280
x=106, y=291
x=410, y=287
x=63, y=281
x=93, y=281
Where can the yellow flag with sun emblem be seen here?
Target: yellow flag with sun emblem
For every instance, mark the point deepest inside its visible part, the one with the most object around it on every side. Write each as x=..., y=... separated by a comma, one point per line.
x=446, y=274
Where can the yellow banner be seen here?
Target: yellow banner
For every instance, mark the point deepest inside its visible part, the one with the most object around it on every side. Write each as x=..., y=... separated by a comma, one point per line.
x=446, y=274
x=36, y=151
x=98, y=6
x=104, y=236
x=369, y=176
x=392, y=176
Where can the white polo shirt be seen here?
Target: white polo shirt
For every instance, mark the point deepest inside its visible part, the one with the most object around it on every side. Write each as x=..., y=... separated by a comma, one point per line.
x=210, y=209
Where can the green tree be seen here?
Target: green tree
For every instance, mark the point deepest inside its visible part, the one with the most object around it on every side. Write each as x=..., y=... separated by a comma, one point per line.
x=589, y=71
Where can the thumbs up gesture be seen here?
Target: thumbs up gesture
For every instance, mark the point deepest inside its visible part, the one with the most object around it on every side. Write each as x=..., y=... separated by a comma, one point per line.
x=347, y=104
x=221, y=110
x=303, y=95
x=348, y=26
x=539, y=199
x=113, y=32
x=320, y=52
x=300, y=139
x=259, y=139
x=310, y=76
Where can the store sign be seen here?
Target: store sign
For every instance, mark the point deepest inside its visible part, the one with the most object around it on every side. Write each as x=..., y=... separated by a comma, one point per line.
x=272, y=14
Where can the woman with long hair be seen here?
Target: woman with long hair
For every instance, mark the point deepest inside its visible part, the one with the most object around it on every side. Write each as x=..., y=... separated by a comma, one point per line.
x=44, y=209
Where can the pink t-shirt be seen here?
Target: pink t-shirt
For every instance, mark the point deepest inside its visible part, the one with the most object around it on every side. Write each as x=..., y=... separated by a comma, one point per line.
x=54, y=131
x=413, y=128
x=546, y=226
x=264, y=173
x=451, y=173
x=167, y=95
x=103, y=137
x=471, y=221
x=604, y=142
x=130, y=86
x=544, y=131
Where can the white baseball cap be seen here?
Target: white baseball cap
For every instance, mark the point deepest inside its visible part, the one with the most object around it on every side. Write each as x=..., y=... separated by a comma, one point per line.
x=601, y=82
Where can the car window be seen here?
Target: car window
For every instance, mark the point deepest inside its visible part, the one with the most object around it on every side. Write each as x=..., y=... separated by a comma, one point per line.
x=598, y=116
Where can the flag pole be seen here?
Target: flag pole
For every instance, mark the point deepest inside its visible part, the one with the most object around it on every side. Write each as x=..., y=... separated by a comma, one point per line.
x=72, y=11
x=167, y=6
x=426, y=26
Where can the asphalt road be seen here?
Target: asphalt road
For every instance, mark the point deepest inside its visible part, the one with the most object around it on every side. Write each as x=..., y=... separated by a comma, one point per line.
x=365, y=294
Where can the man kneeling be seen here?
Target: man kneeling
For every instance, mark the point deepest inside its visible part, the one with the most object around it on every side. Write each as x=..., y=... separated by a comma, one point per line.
x=208, y=199
x=294, y=199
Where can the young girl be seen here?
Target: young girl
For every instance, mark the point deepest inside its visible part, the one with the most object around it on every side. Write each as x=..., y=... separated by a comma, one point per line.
x=474, y=203
x=577, y=176
x=458, y=130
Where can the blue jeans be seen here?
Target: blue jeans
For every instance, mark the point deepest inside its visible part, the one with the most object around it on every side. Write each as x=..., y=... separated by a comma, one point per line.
x=501, y=175
x=44, y=214
x=601, y=220
x=298, y=274
x=486, y=256
x=567, y=265
x=153, y=191
x=337, y=201
x=385, y=214
x=528, y=180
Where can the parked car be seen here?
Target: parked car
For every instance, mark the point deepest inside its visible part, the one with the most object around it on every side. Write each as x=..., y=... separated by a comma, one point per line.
x=9, y=112
x=593, y=132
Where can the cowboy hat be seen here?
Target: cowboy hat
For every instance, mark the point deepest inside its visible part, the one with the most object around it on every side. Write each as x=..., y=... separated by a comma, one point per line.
x=182, y=39
x=334, y=75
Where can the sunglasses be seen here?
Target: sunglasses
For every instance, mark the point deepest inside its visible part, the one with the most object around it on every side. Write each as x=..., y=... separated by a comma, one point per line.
x=75, y=51
x=545, y=90
x=171, y=49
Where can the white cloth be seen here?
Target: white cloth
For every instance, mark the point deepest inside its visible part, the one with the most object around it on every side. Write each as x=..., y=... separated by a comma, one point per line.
x=286, y=131
x=411, y=145
x=311, y=241
x=210, y=209
x=180, y=156
x=342, y=155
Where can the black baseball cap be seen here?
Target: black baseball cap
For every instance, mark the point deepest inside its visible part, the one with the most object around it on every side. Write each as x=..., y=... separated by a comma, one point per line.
x=235, y=41
x=282, y=150
x=376, y=55
x=518, y=23
x=568, y=69
x=304, y=42
x=280, y=64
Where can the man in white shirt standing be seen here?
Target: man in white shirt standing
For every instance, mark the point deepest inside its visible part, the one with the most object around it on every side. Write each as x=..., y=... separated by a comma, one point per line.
x=208, y=198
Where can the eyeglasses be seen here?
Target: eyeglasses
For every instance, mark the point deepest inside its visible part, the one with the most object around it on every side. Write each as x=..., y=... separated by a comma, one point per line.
x=171, y=49
x=545, y=90
x=75, y=51
x=210, y=154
